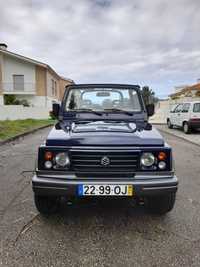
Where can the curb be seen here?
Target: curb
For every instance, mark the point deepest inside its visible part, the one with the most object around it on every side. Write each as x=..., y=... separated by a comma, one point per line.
x=157, y=123
x=23, y=134
x=189, y=141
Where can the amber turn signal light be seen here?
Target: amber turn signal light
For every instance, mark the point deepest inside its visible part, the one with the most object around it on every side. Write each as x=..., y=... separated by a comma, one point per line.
x=162, y=156
x=48, y=155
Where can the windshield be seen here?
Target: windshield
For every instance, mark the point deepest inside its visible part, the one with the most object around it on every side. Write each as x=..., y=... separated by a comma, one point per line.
x=103, y=99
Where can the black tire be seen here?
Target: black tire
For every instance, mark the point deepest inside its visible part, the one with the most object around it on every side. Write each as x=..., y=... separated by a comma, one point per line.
x=170, y=126
x=46, y=205
x=160, y=204
x=186, y=128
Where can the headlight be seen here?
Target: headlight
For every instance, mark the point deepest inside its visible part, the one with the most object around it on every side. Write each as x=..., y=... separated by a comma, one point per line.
x=62, y=159
x=147, y=159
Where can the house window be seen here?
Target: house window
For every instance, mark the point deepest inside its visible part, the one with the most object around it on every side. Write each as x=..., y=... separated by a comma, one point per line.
x=52, y=87
x=55, y=88
x=18, y=82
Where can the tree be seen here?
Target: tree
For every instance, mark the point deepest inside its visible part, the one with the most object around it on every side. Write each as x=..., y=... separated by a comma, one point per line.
x=149, y=95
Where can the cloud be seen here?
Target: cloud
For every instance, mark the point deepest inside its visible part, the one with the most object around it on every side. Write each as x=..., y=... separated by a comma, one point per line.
x=140, y=42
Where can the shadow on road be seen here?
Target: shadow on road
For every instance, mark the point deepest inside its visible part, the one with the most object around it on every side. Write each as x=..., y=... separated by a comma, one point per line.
x=109, y=213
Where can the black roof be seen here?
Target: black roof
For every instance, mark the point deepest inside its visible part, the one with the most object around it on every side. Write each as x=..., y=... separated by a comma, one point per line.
x=105, y=85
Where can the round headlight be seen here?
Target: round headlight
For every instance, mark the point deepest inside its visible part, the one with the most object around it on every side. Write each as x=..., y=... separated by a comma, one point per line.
x=62, y=159
x=147, y=159
x=162, y=165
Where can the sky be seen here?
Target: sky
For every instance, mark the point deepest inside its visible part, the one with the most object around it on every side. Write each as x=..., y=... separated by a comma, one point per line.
x=154, y=43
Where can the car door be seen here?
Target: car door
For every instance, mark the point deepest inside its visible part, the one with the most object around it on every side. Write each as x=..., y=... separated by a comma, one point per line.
x=171, y=115
x=195, y=111
x=179, y=115
x=176, y=115
x=184, y=116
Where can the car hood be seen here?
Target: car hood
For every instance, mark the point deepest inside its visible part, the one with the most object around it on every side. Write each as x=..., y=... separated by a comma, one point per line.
x=103, y=134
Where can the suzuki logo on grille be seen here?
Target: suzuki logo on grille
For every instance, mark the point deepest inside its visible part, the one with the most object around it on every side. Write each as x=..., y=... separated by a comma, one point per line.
x=105, y=161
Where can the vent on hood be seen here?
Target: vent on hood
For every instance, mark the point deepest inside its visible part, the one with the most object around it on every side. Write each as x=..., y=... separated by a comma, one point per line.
x=101, y=126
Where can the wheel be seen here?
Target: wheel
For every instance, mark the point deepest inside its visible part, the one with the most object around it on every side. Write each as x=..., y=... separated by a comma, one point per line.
x=186, y=128
x=170, y=126
x=160, y=204
x=46, y=205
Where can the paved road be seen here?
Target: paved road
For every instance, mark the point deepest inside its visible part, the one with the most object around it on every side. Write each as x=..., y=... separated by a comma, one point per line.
x=194, y=137
x=97, y=233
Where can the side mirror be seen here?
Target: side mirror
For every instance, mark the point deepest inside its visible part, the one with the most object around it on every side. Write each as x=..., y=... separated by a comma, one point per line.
x=150, y=109
x=56, y=109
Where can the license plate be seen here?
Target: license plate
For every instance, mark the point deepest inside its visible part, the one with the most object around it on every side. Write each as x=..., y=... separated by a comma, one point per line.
x=105, y=190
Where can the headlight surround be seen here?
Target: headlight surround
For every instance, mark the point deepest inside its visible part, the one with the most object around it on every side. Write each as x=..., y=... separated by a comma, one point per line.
x=62, y=159
x=147, y=159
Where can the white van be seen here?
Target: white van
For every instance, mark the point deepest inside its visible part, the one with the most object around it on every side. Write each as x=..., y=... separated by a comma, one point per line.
x=185, y=116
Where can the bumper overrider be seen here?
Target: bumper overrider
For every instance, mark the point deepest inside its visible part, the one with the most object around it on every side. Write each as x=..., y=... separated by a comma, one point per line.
x=67, y=185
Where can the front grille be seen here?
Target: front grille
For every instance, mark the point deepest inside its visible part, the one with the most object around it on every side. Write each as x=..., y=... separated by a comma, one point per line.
x=91, y=161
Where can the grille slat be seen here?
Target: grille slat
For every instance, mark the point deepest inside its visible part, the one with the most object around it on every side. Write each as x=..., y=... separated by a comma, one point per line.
x=97, y=160
x=90, y=161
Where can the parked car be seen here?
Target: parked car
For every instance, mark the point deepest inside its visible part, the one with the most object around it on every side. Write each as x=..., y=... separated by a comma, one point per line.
x=103, y=146
x=186, y=116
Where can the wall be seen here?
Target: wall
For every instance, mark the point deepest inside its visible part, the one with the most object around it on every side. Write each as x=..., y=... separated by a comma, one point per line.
x=184, y=99
x=62, y=84
x=37, y=101
x=1, y=64
x=51, y=77
x=161, y=112
x=1, y=100
x=41, y=80
x=21, y=112
x=12, y=66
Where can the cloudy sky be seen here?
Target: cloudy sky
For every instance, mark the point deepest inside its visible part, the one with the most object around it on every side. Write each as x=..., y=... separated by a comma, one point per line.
x=155, y=43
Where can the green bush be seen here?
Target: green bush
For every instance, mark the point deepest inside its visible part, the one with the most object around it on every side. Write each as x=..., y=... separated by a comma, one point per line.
x=12, y=100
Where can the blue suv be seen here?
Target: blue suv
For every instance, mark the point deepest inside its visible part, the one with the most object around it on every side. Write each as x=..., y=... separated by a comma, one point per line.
x=103, y=146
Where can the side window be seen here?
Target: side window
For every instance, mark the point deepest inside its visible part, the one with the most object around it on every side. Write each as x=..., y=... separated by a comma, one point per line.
x=172, y=110
x=55, y=87
x=186, y=107
x=52, y=87
x=196, y=107
x=178, y=108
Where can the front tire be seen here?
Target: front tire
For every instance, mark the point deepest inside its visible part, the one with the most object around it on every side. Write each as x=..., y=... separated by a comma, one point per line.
x=46, y=205
x=186, y=128
x=160, y=204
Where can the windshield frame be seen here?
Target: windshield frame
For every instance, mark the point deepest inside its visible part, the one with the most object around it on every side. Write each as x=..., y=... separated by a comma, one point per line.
x=136, y=88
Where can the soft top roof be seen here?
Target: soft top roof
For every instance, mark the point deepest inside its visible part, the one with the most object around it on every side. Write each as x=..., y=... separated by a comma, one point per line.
x=108, y=85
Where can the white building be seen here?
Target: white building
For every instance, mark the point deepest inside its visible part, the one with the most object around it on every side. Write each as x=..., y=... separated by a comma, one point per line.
x=186, y=93
x=29, y=79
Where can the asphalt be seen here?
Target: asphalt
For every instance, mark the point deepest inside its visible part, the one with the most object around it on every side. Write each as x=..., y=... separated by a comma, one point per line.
x=193, y=137
x=96, y=233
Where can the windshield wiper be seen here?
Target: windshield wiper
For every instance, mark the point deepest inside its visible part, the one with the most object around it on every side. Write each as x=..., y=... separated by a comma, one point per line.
x=118, y=110
x=88, y=110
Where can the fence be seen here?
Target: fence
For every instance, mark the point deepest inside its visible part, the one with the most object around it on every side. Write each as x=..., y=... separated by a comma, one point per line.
x=18, y=112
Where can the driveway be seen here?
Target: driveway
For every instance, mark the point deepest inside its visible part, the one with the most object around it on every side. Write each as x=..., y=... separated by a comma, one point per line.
x=96, y=233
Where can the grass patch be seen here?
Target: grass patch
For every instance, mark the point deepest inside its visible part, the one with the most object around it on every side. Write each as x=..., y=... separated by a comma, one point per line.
x=10, y=129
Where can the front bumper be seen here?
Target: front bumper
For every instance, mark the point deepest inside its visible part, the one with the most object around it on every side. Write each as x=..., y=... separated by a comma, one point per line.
x=67, y=185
